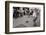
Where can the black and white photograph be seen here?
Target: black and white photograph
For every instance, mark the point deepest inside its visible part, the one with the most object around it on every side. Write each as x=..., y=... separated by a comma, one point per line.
x=26, y=17
x=22, y=17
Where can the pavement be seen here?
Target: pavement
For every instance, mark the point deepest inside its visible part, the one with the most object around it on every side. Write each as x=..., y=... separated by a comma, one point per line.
x=25, y=21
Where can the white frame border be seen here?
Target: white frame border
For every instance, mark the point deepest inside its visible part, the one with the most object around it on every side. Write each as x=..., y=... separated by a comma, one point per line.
x=11, y=29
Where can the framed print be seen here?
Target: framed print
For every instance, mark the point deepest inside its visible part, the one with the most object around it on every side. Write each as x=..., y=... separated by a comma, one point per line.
x=24, y=17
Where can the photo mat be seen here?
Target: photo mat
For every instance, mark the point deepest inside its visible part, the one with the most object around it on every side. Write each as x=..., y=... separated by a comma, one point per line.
x=22, y=20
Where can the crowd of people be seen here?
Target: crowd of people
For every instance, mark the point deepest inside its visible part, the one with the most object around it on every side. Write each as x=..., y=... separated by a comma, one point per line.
x=21, y=11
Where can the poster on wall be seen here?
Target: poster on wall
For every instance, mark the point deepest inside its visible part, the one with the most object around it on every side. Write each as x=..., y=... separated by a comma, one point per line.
x=23, y=17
